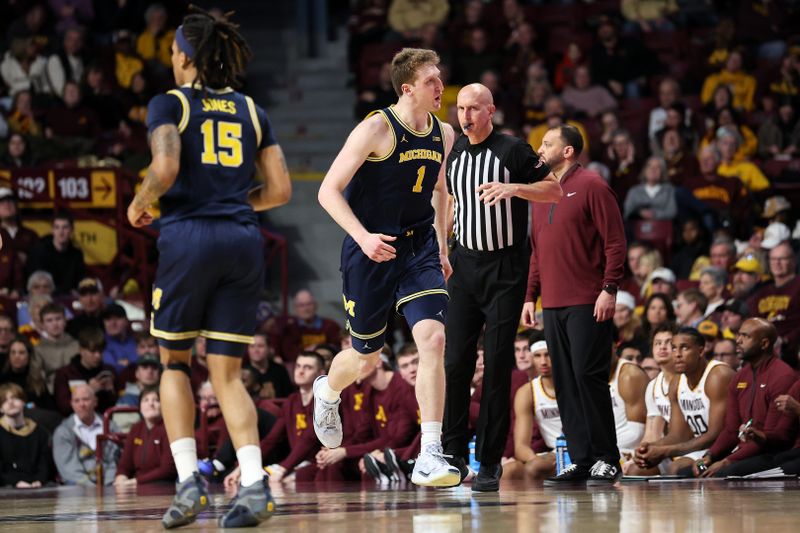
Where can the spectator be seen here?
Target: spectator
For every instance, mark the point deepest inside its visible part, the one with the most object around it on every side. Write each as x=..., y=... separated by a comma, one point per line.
x=378, y=97
x=691, y=245
x=146, y=456
x=654, y=198
x=584, y=97
x=725, y=352
x=70, y=13
x=712, y=285
x=648, y=16
x=86, y=367
x=24, y=368
x=520, y=51
x=73, y=118
x=8, y=332
x=406, y=17
x=472, y=16
x=778, y=209
x=126, y=62
x=210, y=428
x=624, y=162
x=31, y=25
x=555, y=115
x=75, y=442
x=56, y=347
x=621, y=64
x=779, y=135
x=726, y=196
x=747, y=275
x=92, y=304
x=40, y=283
x=272, y=377
x=536, y=94
x=22, y=238
x=22, y=119
x=522, y=354
x=728, y=142
x=657, y=311
x=120, y=348
x=677, y=118
x=779, y=301
x=475, y=60
x=154, y=43
x=661, y=281
x=775, y=234
x=636, y=273
x=147, y=375
x=669, y=92
x=681, y=162
x=306, y=328
x=625, y=320
x=68, y=63
x=17, y=154
x=10, y=267
x=24, y=445
x=573, y=56
x=57, y=255
x=97, y=95
x=734, y=313
x=722, y=98
x=34, y=328
x=689, y=307
x=767, y=429
x=23, y=69
x=743, y=85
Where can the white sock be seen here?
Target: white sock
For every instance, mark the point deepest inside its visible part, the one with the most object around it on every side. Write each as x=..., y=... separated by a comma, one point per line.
x=250, y=464
x=431, y=433
x=184, y=451
x=326, y=392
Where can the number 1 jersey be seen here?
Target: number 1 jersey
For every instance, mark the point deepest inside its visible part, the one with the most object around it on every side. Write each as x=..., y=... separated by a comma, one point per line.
x=221, y=132
x=392, y=194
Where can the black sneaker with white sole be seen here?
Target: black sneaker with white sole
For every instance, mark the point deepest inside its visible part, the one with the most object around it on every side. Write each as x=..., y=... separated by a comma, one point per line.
x=571, y=475
x=378, y=471
x=604, y=473
x=401, y=469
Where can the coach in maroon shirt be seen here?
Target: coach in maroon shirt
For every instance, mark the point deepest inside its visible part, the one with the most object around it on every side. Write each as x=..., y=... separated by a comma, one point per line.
x=576, y=265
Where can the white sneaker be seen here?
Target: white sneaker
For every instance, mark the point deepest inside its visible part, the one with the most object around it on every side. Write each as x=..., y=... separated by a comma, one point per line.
x=327, y=422
x=432, y=469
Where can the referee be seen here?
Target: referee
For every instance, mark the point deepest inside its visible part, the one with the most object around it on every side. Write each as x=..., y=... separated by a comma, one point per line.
x=490, y=269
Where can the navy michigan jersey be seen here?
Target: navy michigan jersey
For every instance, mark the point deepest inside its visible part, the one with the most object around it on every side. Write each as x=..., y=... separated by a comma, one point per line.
x=221, y=132
x=392, y=194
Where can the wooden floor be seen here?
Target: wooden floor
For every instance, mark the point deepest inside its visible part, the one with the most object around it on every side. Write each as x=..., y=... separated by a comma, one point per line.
x=711, y=506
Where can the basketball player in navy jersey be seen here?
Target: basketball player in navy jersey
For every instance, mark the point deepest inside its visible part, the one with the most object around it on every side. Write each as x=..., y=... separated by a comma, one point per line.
x=386, y=189
x=206, y=141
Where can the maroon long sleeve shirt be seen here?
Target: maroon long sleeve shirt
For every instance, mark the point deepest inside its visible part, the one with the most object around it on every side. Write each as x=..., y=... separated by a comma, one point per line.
x=295, y=425
x=147, y=455
x=751, y=395
x=578, y=243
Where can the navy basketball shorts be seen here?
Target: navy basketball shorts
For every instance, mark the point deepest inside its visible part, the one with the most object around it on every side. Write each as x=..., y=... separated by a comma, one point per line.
x=412, y=284
x=209, y=279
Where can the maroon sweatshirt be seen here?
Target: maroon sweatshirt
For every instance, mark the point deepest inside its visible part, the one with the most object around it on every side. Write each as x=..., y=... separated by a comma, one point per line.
x=393, y=422
x=578, y=243
x=356, y=411
x=297, y=335
x=147, y=455
x=751, y=395
x=781, y=306
x=295, y=425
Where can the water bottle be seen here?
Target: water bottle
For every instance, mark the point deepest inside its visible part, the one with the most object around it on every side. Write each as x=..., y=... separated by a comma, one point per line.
x=474, y=465
x=562, y=454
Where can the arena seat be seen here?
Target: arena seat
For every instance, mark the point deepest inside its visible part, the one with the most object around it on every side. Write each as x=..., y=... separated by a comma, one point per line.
x=659, y=233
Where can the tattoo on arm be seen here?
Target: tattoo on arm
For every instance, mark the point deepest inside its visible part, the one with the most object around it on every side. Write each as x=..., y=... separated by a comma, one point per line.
x=165, y=142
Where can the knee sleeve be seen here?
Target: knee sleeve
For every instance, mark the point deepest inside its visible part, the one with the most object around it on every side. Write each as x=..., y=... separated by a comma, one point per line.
x=180, y=367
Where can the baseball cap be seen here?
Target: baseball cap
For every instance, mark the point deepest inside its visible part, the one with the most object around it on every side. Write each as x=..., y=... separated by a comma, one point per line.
x=707, y=328
x=664, y=274
x=735, y=306
x=625, y=298
x=148, y=358
x=115, y=311
x=775, y=234
x=5, y=193
x=90, y=286
x=749, y=263
x=774, y=205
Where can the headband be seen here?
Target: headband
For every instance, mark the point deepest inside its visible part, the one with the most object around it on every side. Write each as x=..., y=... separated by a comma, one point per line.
x=184, y=44
x=538, y=345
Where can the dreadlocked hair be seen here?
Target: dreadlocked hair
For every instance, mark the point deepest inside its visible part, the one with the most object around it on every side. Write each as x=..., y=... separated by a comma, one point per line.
x=221, y=53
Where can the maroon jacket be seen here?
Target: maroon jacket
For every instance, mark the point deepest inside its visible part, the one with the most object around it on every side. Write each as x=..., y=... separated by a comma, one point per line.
x=147, y=455
x=781, y=306
x=394, y=423
x=295, y=425
x=751, y=395
x=578, y=243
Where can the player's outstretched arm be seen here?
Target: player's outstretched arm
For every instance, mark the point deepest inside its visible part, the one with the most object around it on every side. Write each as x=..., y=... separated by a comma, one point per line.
x=277, y=187
x=369, y=137
x=165, y=147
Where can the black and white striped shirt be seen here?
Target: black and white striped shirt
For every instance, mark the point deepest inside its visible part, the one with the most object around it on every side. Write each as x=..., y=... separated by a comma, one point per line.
x=500, y=158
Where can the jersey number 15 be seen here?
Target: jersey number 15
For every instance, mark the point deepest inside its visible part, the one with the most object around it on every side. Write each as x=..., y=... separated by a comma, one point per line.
x=223, y=147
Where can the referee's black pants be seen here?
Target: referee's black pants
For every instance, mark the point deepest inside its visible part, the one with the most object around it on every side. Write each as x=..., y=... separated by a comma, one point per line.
x=485, y=288
x=580, y=353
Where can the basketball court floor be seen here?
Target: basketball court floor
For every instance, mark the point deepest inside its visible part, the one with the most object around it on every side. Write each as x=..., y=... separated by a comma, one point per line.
x=694, y=506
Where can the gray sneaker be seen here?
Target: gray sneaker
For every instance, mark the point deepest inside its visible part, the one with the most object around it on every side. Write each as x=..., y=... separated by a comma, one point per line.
x=250, y=507
x=327, y=422
x=191, y=499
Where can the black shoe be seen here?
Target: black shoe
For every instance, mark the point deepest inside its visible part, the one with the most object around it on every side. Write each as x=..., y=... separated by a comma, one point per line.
x=572, y=475
x=604, y=473
x=400, y=469
x=379, y=471
x=461, y=464
x=488, y=478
